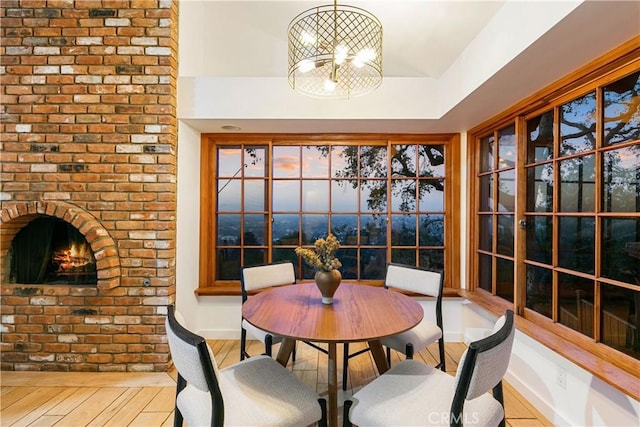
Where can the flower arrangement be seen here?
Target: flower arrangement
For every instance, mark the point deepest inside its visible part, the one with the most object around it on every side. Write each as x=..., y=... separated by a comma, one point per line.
x=322, y=256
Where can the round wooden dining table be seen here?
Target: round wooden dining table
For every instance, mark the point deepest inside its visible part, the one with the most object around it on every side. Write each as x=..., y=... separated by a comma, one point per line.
x=359, y=313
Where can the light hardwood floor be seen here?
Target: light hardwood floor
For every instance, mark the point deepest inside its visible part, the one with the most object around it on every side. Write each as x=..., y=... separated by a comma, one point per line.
x=69, y=399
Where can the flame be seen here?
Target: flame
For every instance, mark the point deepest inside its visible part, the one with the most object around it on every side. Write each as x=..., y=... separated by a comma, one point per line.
x=77, y=255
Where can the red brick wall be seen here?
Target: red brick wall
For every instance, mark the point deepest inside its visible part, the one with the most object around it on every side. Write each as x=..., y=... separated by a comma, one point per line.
x=88, y=134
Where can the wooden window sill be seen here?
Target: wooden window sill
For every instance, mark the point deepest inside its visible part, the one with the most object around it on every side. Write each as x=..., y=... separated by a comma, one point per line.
x=611, y=366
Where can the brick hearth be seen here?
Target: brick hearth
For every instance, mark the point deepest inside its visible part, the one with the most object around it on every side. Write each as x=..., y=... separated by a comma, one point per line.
x=88, y=135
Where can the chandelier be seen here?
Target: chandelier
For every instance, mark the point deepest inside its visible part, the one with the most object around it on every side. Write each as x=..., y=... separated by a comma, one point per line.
x=335, y=52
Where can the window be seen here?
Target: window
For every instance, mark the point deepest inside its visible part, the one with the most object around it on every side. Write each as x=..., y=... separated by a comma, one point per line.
x=384, y=199
x=569, y=229
x=585, y=276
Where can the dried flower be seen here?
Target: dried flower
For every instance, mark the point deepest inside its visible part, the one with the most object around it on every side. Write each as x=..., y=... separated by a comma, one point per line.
x=322, y=256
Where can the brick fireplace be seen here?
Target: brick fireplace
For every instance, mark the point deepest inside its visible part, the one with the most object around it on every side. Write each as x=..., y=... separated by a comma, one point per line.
x=88, y=135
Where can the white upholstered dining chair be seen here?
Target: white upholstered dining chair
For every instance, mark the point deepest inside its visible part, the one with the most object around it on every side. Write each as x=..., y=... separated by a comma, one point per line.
x=413, y=393
x=424, y=282
x=255, y=278
x=253, y=392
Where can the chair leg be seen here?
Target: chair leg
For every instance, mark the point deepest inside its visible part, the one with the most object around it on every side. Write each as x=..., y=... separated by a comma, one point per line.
x=177, y=418
x=498, y=395
x=243, y=343
x=408, y=351
x=345, y=413
x=389, y=356
x=442, y=358
x=177, y=415
x=268, y=343
x=345, y=366
x=323, y=408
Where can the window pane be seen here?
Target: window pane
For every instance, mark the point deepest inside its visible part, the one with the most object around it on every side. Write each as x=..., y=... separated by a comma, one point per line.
x=431, y=230
x=486, y=193
x=539, y=290
x=286, y=162
x=255, y=164
x=504, y=279
x=229, y=195
x=373, y=230
x=255, y=229
x=373, y=196
x=285, y=229
x=315, y=162
x=575, y=303
x=431, y=160
x=578, y=125
x=539, y=238
x=619, y=319
x=254, y=195
x=285, y=254
x=485, y=233
x=228, y=264
x=373, y=162
x=621, y=180
x=507, y=191
x=345, y=228
x=431, y=197
x=540, y=138
x=621, y=249
x=344, y=197
x=344, y=161
x=506, y=147
x=229, y=161
x=486, y=154
x=403, y=256
x=254, y=257
x=540, y=188
x=315, y=196
x=403, y=230
x=505, y=235
x=314, y=227
x=432, y=258
x=285, y=196
x=403, y=161
x=485, y=275
x=373, y=264
x=576, y=243
x=403, y=195
x=349, y=260
x=577, y=184
x=228, y=231
x=621, y=114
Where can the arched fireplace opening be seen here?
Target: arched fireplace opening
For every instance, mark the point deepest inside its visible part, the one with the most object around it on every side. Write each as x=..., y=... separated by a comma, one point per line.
x=49, y=250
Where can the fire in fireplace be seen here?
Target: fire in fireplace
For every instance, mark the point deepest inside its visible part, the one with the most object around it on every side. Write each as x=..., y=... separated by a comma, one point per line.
x=49, y=250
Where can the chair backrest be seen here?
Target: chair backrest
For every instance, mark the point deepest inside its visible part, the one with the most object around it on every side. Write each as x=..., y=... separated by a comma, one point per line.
x=194, y=361
x=484, y=364
x=414, y=279
x=419, y=280
x=265, y=276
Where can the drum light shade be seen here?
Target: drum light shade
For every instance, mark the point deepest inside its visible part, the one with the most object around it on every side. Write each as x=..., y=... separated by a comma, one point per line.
x=335, y=52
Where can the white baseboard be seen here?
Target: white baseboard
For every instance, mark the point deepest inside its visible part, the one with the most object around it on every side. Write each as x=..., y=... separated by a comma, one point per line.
x=544, y=407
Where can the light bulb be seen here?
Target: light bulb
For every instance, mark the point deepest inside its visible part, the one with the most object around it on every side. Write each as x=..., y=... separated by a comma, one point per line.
x=329, y=85
x=341, y=54
x=365, y=55
x=306, y=65
x=307, y=39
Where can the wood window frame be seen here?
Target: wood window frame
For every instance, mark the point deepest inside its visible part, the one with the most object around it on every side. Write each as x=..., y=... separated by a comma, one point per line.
x=613, y=367
x=210, y=142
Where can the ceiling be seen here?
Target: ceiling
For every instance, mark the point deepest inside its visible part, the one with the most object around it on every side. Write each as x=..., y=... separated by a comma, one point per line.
x=421, y=38
x=244, y=43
